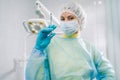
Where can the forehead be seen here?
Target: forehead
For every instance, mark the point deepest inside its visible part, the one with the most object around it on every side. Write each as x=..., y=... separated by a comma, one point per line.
x=66, y=14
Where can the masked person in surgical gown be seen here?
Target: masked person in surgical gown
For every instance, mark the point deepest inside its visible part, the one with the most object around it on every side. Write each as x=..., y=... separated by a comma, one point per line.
x=67, y=56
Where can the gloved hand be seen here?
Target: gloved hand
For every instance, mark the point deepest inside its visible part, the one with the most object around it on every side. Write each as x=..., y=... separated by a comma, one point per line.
x=44, y=37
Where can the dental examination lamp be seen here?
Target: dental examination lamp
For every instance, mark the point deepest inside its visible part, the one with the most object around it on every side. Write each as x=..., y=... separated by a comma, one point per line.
x=45, y=18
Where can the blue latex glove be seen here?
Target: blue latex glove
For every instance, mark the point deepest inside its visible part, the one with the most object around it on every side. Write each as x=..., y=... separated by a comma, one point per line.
x=44, y=37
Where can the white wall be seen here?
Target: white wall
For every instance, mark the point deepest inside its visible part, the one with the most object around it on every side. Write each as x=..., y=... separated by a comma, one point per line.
x=12, y=33
x=113, y=34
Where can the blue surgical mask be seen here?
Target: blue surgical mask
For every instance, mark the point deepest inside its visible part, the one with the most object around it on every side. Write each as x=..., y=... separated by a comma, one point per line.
x=69, y=27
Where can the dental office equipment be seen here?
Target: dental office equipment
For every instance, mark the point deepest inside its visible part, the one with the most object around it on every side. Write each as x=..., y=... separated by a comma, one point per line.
x=45, y=17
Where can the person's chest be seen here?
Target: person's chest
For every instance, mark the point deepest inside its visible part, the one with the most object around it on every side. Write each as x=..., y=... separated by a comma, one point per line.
x=69, y=59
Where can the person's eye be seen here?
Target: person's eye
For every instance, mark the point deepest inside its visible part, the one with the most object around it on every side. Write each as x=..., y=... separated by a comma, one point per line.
x=62, y=19
x=71, y=18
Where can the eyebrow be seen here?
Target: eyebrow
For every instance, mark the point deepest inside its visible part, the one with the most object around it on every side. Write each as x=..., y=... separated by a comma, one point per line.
x=68, y=16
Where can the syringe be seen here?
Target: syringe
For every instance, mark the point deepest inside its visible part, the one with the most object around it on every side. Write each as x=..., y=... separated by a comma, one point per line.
x=51, y=19
x=50, y=23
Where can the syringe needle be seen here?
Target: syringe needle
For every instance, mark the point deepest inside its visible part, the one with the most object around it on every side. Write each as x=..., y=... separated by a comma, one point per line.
x=50, y=18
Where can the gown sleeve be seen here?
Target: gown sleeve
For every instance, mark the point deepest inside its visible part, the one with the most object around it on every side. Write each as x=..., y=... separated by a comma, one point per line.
x=37, y=67
x=104, y=68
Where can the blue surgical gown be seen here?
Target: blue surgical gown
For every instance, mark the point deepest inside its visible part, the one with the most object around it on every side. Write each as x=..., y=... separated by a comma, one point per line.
x=69, y=59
